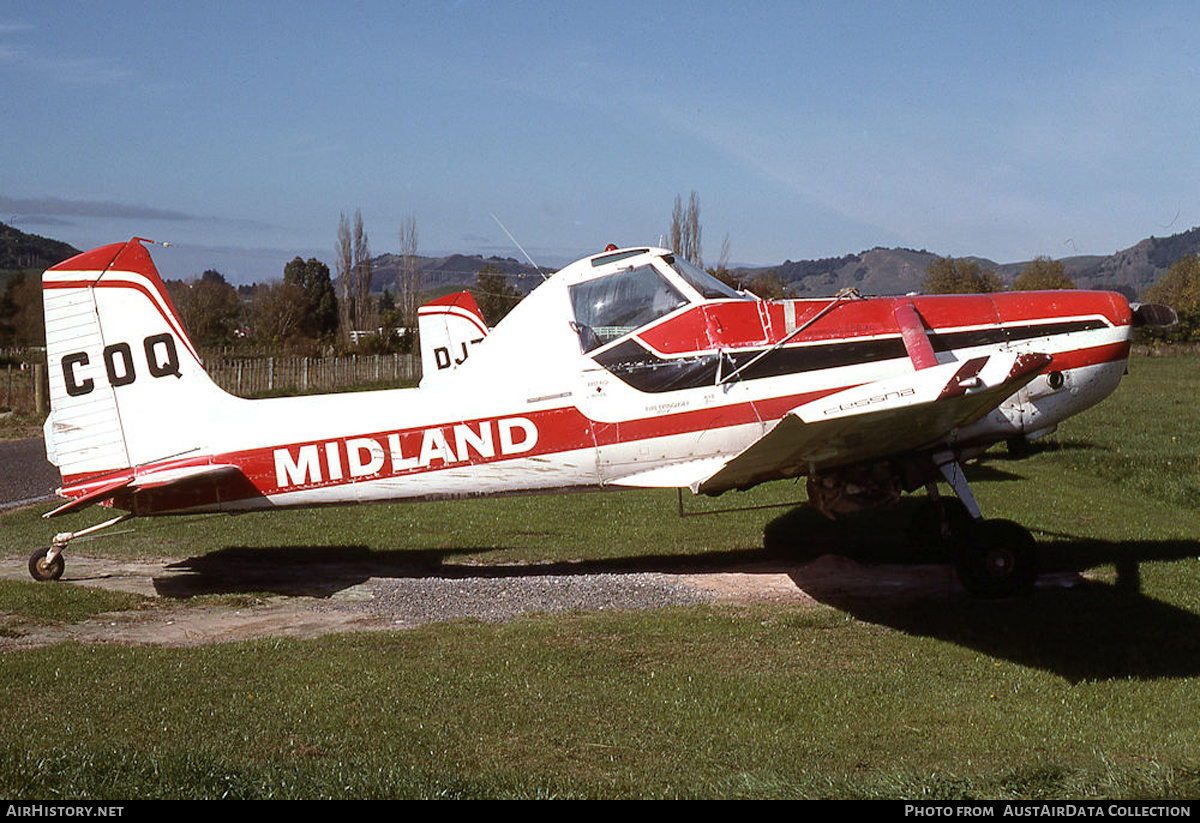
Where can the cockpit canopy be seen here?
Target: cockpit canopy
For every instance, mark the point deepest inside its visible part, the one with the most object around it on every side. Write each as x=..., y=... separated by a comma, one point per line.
x=609, y=307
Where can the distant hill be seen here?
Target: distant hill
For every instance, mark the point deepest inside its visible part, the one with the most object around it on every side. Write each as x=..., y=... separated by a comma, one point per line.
x=455, y=272
x=19, y=250
x=876, y=271
x=899, y=271
x=1136, y=268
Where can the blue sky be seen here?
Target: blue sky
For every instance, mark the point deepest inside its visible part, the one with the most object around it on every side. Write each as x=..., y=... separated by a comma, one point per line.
x=240, y=131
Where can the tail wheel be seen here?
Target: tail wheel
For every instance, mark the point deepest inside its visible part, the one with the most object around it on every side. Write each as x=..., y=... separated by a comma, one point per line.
x=42, y=569
x=999, y=559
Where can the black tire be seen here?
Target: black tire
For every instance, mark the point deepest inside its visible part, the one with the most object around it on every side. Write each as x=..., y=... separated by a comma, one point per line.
x=41, y=570
x=939, y=526
x=998, y=560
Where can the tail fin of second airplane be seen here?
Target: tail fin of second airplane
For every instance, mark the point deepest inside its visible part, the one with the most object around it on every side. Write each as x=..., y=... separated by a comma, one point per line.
x=126, y=384
x=448, y=327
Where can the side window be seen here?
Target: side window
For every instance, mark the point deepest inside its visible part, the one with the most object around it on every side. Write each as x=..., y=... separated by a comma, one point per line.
x=710, y=288
x=616, y=305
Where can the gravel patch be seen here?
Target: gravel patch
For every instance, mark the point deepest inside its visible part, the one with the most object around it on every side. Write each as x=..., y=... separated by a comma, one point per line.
x=410, y=601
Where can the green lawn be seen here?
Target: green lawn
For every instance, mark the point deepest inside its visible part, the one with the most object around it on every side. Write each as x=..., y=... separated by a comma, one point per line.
x=1078, y=692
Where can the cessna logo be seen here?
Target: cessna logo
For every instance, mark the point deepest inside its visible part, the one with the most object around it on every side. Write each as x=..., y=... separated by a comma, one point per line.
x=160, y=356
x=870, y=401
x=404, y=451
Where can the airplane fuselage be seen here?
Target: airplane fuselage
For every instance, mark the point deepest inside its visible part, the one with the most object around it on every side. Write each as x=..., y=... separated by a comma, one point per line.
x=631, y=368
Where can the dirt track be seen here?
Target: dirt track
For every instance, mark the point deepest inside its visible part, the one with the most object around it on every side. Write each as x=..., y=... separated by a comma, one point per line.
x=294, y=601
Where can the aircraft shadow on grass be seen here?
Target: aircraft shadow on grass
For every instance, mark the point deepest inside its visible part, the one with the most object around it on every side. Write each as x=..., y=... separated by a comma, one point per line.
x=1094, y=632
x=323, y=571
x=1075, y=628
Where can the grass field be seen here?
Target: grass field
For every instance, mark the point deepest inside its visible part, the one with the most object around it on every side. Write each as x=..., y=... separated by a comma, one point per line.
x=1084, y=692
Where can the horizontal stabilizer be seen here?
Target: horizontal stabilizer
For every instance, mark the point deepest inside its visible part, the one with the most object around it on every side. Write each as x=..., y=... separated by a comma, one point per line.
x=99, y=494
x=188, y=482
x=890, y=417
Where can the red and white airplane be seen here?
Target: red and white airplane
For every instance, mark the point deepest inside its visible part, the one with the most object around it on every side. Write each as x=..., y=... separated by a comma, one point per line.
x=630, y=368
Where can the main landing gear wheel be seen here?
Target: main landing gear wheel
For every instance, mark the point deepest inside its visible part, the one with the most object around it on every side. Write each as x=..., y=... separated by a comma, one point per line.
x=997, y=558
x=42, y=570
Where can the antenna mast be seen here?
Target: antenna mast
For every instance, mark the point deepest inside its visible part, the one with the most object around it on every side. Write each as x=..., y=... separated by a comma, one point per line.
x=518, y=245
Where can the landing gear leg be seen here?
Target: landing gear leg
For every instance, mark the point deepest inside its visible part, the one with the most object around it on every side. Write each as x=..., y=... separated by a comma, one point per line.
x=952, y=470
x=993, y=558
x=48, y=564
x=939, y=522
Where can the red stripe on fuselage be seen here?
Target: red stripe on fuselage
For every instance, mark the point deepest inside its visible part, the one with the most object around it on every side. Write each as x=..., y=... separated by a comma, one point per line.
x=1093, y=356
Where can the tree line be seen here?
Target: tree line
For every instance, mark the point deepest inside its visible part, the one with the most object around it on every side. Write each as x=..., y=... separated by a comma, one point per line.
x=1179, y=288
x=947, y=275
x=310, y=310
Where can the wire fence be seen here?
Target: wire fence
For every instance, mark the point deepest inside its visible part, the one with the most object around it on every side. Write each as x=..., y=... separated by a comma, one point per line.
x=23, y=386
x=250, y=377
x=19, y=388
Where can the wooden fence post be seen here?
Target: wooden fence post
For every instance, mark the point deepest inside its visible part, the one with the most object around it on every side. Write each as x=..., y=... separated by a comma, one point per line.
x=41, y=389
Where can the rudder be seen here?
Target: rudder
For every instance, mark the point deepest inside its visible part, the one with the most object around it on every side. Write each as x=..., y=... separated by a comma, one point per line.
x=448, y=327
x=126, y=384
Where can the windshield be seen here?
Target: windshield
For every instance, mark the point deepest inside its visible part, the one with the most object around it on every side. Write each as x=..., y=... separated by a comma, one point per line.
x=613, y=306
x=710, y=288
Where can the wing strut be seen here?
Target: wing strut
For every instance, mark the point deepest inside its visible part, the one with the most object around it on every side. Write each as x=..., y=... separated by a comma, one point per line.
x=912, y=331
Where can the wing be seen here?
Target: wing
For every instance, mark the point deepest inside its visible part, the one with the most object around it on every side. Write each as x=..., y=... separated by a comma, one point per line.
x=889, y=417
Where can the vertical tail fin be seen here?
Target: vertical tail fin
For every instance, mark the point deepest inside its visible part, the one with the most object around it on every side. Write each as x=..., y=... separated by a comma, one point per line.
x=448, y=327
x=126, y=384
